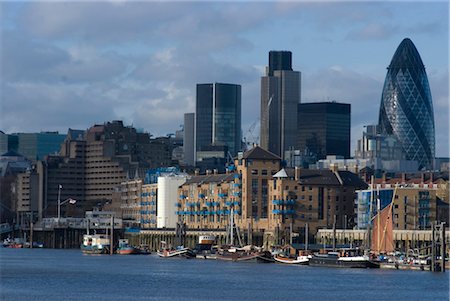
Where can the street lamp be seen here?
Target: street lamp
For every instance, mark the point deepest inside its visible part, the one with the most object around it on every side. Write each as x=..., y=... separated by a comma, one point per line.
x=69, y=200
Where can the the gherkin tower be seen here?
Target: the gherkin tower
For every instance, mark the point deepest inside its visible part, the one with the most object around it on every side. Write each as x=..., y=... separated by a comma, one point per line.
x=406, y=109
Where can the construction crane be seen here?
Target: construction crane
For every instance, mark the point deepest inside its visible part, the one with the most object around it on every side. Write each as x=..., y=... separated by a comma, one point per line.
x=250, y=139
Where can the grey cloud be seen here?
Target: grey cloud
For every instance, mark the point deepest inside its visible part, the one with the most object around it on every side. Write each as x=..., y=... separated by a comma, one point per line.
x=29, y=60
x=24, y=60
x=63, y=106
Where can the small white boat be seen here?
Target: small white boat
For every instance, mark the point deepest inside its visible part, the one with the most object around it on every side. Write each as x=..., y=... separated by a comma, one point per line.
x=304, y=260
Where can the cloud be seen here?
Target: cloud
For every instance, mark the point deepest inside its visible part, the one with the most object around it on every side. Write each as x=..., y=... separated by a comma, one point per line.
x=73, y=64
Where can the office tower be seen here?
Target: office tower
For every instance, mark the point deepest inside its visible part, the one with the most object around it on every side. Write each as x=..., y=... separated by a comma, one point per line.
x=35, y=146
x=218, y=116
x=189, y=139
x=8, y=143
x=280, y=95
x=324, y=128
x=406, y=110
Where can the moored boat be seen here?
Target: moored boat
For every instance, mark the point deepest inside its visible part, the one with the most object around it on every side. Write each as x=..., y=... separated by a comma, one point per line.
x=95, y=244
x=205, y=248
x=125, y=249
x=302, y=259
x=247, y=253
x=167, y=252
x=344, y=259
x=16, y=243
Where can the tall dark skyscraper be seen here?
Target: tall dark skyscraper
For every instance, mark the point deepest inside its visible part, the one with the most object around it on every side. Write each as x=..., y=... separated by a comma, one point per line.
x=406, y=110
x=324, y=128
x=280, y=95
x=218, y=116
x=280, y=60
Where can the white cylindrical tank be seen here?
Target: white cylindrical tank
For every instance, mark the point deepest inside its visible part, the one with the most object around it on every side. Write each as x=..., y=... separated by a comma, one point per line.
x=167, y=198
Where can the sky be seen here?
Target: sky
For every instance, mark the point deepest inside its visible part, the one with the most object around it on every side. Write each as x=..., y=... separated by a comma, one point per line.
x=75, y=64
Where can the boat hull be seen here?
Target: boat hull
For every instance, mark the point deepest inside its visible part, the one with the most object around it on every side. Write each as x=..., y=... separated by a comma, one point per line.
x=337, y=263
x=186, y=252
x=94, y=249
x=127, y=251
x=247, y=257
x=301, y=260
x=238, y=257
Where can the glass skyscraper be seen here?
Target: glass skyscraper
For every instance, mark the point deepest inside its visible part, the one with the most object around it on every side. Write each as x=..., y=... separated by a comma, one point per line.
x=324, y=128
x=406, y=109
x=218, y=116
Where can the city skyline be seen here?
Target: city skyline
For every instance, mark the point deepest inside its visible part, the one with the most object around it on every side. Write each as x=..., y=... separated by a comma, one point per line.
x=72, y=65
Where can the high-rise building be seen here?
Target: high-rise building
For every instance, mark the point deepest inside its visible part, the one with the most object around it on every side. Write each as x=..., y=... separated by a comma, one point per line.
x=218, y=116
x=189, y=139
x=406, y=109
x=324, y=128
x=280, y=95
x=35, y=146
x=8, y=143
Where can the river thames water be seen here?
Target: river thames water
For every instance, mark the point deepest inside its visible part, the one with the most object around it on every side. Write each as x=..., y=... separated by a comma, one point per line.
x=46, y=274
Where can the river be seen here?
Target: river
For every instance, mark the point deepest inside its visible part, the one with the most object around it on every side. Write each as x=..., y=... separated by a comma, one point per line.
x=48, y=274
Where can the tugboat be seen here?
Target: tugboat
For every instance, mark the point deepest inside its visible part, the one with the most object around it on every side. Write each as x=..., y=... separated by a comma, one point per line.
x=205, y=248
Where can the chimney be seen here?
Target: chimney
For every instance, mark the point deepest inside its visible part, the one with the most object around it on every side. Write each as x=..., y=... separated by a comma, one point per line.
x=215, y=171
x=356, y=169
x=431, y=178
x=403, y=178
x=197, y=171
x=297, y=173
x=208, y=171
x=383, y=178
x=422, y=178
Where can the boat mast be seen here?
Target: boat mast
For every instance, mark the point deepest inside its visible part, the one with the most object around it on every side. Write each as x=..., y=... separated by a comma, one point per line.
x=231, y=227
x=378, y=219
x=369, y=222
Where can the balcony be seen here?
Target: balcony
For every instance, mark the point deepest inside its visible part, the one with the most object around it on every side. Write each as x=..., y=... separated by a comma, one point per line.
x=284, y=202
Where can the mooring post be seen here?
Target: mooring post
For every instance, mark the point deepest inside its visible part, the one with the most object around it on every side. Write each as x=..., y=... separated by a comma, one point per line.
x=111, y=241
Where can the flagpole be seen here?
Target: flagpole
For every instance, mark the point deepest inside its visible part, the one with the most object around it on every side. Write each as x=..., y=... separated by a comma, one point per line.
x=59, y=201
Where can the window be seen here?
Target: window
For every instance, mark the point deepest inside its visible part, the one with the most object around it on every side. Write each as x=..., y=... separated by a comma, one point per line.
x=254, y=171
x=264, y=193
x=310, y=198
x=264, y=172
